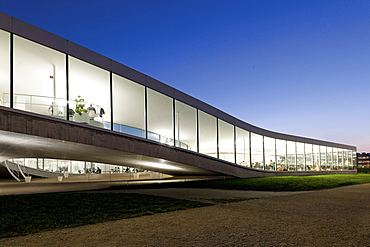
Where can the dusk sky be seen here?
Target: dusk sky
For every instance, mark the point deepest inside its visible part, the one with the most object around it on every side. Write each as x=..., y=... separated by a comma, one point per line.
x=298, y=67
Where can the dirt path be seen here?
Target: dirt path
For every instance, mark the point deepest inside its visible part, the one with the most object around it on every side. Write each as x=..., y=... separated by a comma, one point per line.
x=335, y=217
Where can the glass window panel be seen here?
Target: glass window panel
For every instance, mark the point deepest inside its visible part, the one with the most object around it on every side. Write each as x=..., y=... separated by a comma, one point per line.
x=226, y=141
x=345, y=159
x=323, y=158
x=186, y=126
x=79, y=167
x=316, y=157
x=207, y=134
x=329, y=155
x=257, y=151
x=20, y=161
x=354, y=156
x=300, y=157
x=340, y=159
x=335, y=158
x=160, y=117
x=291, y=155
x=117, y=127
x=39, y=78
x=64, y=165
x=31, y=163
x=128, y=106
x=242, y=147
x=89, y=93
x=270, y=153
x=51, y=165
x=309, y=157
x=349, y=159
x=40, y=163
x=4, y=68
x=281, y=155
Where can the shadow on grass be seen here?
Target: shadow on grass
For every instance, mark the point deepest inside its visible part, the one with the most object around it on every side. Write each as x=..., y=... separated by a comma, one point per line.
x=25, y=214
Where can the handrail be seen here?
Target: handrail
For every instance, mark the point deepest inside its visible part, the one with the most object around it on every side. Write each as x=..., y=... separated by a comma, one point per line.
x=11, y=173
x=20, y=170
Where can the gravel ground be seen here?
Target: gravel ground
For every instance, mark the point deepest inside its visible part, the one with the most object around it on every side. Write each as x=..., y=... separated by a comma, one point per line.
x=335, y=217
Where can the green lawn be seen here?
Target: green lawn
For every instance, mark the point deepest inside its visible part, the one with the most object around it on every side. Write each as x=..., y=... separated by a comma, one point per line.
x=284, y=183
x=25, y=214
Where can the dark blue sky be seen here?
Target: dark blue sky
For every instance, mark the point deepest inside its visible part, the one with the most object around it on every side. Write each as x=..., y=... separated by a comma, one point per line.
x=297, y=67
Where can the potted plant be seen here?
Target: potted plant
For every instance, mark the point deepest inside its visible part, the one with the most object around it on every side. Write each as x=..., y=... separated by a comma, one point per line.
x=80, y=104
x=80, y=115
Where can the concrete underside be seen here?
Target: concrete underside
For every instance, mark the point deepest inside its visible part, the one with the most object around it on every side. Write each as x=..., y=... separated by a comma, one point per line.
x=28, y=135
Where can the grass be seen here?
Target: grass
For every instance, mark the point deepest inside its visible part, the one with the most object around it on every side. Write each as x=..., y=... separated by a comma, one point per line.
x=284, y=183
x=25, y=214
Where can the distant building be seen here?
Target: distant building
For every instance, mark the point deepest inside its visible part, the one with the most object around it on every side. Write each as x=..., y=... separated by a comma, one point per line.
x=363, y=160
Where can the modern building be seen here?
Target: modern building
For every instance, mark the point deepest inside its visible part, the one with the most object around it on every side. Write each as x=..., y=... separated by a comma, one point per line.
x=363, y=160
x=62, y=101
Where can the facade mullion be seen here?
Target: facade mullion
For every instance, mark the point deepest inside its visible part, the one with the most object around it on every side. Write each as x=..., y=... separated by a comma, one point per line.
x=111, y=99
x=67, y=86
x=11, y=89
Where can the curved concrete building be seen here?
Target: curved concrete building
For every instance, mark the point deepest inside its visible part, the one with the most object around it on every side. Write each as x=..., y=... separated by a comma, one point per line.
x=62, y=101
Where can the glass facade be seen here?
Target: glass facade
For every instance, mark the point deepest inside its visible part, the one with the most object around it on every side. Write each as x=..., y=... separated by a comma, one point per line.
x=301, y=157
x=207, y=134
x=128, y=107
x=323, y=158
x=185, y=126
x=242, y=147
x=4, y=68
x=281, y=155
x=309, y=157
x=291, y=156
x=89, y=94
x=160, y=117
x=257, y=157
x=335, y=159
x=270, y=153
x=226, y=141
x=39, y=79
x=329, y=155
x=49, y=82
x=73, y=166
